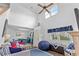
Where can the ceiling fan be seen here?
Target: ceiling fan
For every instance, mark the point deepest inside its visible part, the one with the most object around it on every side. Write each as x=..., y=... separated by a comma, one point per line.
x=45, y=7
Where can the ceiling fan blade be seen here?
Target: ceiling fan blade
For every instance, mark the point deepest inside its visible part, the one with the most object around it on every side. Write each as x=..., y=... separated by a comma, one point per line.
x=40, y=5
x=47, y=10
x=41, y=11
x=49, y=5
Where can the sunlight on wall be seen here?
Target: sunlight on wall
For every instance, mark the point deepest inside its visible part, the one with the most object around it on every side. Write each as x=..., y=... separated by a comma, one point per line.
x=53, y=11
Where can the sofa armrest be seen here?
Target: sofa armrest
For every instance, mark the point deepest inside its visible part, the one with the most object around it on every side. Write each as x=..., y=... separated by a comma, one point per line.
x=69, y=52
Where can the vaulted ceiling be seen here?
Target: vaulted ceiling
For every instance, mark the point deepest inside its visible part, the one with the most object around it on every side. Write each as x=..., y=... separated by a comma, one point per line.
x=34, y=6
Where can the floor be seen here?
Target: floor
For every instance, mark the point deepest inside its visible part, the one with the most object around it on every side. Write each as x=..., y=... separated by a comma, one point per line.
x=55, y=54
x=32, y=52
x=38, y=52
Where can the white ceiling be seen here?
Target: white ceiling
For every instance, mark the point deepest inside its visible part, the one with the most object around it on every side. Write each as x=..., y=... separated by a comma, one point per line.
x=21, y=13
x=21, y=16
x=34, y=6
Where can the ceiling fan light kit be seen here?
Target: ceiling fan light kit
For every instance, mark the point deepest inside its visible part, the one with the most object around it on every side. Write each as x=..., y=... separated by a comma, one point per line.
x=45, y=7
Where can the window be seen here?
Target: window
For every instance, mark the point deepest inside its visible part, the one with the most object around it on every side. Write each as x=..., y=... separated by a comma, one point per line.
x=53, y=11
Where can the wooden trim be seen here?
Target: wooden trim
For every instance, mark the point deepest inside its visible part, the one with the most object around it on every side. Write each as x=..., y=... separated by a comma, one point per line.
x=75, y=36
x=75, y=33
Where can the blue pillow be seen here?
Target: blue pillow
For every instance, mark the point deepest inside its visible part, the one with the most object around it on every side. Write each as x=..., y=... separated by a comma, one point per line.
x=14, y=50
x=71, y=46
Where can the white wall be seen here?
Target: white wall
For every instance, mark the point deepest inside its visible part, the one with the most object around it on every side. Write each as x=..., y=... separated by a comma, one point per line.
x=39, y=32
x=65, y=17
x=21, y=16
x=3, y=17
